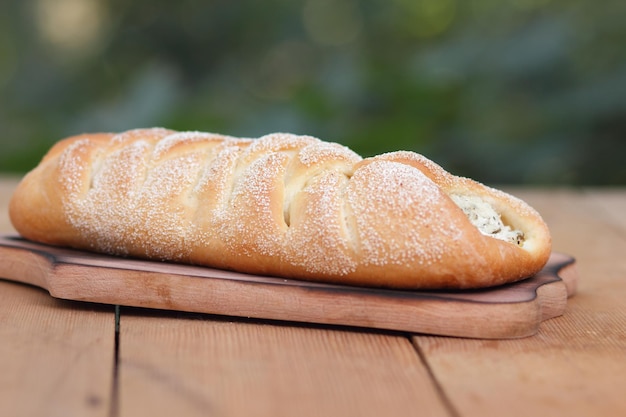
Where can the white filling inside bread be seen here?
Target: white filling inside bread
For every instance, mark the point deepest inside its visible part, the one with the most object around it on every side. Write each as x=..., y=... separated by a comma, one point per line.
x=486, y=219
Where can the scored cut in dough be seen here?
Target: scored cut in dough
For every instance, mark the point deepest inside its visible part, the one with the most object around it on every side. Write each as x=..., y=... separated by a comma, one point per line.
x=280, y=205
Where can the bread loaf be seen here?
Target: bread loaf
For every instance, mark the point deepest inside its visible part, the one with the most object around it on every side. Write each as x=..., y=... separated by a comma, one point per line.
x=281, y=205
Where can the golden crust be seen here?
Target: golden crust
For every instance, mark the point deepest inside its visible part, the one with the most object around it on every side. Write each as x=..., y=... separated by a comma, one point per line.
x=283, y=205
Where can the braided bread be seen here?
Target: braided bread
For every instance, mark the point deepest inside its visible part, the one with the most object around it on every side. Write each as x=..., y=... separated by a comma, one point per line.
x=281, y=205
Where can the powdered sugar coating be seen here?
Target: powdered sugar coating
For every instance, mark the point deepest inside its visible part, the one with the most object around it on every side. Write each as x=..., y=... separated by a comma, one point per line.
x=281, y=204
x=141, y=134
x=318, y=234
x=251, y=200
x=69, y=162
x=384, y=190
x=279, y=142
x=102, y=223
x=390, y=189
x=324, y=151
x=169, y=142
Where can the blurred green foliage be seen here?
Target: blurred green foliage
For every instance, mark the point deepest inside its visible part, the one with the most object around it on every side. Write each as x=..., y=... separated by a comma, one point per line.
x=504, y=91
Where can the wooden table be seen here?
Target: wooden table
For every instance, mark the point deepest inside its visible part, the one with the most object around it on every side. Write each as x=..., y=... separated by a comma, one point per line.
x=62, y=358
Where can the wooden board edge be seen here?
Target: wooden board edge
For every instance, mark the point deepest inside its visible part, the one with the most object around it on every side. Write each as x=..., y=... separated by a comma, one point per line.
x=261, y=300
x=26, y=266
x=318, y=304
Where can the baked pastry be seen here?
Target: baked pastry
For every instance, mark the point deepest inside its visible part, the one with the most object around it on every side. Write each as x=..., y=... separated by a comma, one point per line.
x=281, y=205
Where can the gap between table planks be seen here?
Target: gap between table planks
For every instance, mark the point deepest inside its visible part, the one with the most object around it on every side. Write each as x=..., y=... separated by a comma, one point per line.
x=56, y=357
x=575, y=365
x=189, y=365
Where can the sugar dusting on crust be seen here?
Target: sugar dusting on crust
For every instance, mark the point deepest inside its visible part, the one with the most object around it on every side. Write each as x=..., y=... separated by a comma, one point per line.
x=71, y=168
x=143, y=196
x=278, y=142
x=105, y=213
x=320, y=241
x=139, y=195
x=140, y=134
x=252, y=226
x=168, y=223
x=323, y=151
x=170, y=141
x=382, y=191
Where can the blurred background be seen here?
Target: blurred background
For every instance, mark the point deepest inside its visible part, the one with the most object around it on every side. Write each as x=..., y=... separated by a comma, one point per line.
x=504, y=91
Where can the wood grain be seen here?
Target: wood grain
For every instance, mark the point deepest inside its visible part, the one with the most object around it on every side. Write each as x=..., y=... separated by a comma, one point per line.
x=575, y=365
x=513, y=310
x=192, y=365
x=56, y=357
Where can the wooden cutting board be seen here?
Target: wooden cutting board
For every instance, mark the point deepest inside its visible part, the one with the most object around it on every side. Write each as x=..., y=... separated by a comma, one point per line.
x=509, y=311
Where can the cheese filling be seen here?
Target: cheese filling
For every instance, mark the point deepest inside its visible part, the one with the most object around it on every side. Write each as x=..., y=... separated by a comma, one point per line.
x=487, y=220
